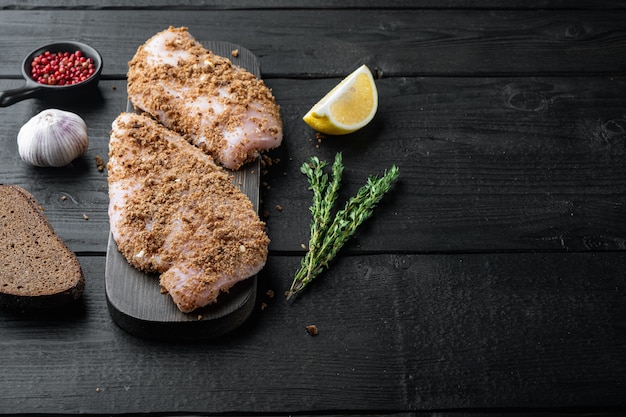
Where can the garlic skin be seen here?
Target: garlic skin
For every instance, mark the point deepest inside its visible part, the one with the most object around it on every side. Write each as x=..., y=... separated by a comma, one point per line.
x=52, y=138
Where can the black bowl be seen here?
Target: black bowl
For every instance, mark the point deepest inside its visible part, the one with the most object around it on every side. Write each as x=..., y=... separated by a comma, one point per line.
x=33, y=89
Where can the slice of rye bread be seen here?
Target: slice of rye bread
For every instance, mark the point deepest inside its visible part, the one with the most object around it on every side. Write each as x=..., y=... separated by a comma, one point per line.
x=37, y=269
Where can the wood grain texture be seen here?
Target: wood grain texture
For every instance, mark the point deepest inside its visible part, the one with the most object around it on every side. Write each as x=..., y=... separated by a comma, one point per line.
x=67, y=194
x=517, y=163
x=487, y=164
x=319, y=4
x=396, y=333
x=391, y=42
x=489, y=282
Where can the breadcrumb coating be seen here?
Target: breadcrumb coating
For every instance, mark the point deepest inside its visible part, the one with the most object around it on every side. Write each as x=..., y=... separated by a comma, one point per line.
x=173, y=209
x=223, y=109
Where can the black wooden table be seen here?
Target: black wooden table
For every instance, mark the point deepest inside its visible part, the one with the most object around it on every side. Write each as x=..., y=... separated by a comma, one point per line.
x=490, y=280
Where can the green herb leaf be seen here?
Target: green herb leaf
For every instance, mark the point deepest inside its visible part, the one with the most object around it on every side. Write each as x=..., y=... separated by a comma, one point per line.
x=327, y=237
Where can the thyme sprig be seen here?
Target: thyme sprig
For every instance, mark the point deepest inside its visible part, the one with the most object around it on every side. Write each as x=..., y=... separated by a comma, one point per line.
x=328, y=237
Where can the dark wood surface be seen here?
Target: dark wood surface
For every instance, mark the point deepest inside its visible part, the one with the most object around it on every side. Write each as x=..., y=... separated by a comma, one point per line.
x=489, y=282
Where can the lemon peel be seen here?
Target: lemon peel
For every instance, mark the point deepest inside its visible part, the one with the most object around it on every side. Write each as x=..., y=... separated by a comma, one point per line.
x=348, y=107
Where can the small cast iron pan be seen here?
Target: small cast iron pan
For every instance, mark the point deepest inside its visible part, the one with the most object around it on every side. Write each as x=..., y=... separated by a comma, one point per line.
x=33, y=89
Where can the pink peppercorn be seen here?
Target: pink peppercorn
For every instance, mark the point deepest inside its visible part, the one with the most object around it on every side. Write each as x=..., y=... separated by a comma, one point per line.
x=62, y=68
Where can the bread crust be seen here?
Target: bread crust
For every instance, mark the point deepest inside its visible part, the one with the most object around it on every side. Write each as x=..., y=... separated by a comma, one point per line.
x=37, y=269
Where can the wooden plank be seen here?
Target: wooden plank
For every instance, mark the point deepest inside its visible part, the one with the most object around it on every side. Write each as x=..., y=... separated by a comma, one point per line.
x=393, y=42
x=397, y=333
x=320, y=4
x=71, y=193
x=486, y=164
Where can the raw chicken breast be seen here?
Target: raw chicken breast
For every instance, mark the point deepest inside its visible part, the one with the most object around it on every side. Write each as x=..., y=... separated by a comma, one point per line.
x=221, y=108
x=173, y=211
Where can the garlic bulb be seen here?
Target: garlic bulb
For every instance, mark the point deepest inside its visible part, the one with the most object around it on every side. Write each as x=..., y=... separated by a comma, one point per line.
x=53, y=138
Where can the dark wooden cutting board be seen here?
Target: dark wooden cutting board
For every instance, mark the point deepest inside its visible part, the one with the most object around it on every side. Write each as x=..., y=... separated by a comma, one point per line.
x=134, y=298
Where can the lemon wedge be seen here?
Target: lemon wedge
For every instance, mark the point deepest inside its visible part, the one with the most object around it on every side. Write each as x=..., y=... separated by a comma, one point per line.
x=348, y=107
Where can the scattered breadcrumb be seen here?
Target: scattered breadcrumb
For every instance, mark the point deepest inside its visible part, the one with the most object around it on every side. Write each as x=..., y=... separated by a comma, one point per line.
x=99, y=163
x=98, y=389
x=63, y=197
x=279, y=207
x=312, y=330
x=235, y=52
x=85, y=216
x=269, y=294
x=302, y=245
x=267, y=161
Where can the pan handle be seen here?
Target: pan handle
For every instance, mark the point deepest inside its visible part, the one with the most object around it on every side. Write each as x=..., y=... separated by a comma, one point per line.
x=9, y=97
